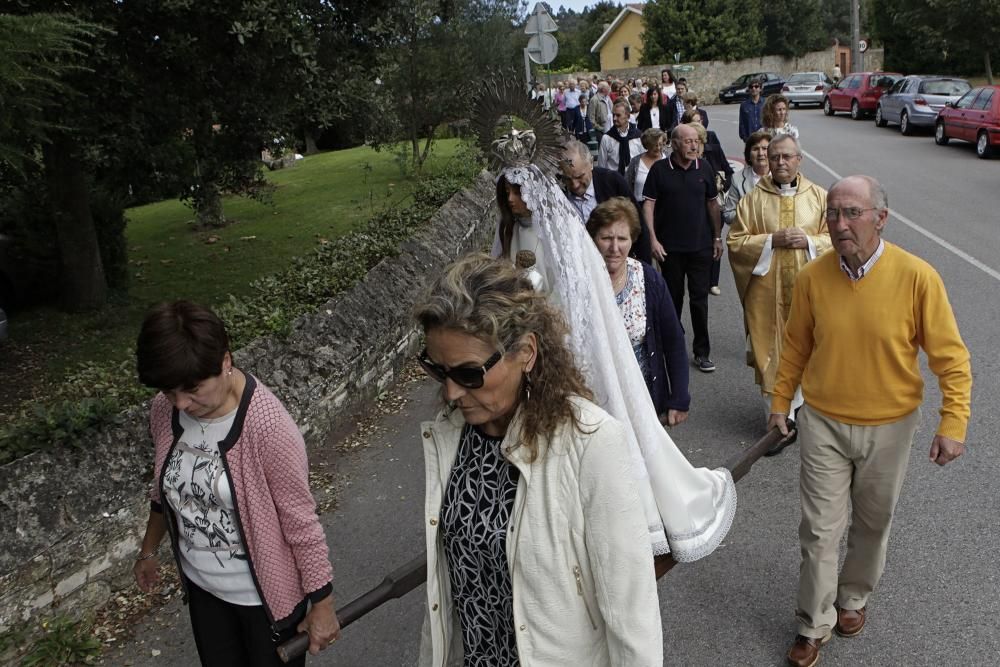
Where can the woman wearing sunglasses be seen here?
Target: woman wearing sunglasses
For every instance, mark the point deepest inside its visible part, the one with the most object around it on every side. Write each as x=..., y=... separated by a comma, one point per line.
x=537, y=544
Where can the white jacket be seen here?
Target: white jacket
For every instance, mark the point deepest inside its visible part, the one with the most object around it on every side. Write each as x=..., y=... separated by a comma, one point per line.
x=578, y=550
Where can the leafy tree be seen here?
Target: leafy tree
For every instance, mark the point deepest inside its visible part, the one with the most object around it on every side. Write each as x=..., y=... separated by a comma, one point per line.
x=970, y=27
x=571, y=51
x=577, y=33
x=593, y=22
x=793, y=27
x=42, y=74
x=939, y=36
x=36, y=52
x=227, y=72
x=701, y=30
x=837, y=20
x=433, y=51
x=177, y=97
x=344, y=90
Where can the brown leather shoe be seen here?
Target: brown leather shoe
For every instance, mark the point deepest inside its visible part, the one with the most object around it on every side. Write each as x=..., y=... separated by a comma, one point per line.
x=805, y=651
x=850, y=622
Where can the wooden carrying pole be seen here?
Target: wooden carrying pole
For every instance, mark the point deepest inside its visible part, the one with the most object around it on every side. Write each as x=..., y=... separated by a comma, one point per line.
x=400, y=582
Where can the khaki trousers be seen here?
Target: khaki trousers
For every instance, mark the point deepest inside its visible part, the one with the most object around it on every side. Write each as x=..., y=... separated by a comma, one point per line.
x=841, y=462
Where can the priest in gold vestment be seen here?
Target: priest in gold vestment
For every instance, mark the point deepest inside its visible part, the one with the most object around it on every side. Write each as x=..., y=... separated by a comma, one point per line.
x=780, y=225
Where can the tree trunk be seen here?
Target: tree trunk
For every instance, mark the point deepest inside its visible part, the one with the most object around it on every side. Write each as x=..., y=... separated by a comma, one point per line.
x=427, y=147
x=83, y=286
x=208, y=211
x=310, y=137
x=415, y=145
x=989, y=70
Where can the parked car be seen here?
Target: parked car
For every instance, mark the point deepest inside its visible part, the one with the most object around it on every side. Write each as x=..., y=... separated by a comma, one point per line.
x=807, y=88
x=858, y=93
x=974, y=117
x=914, y=101
x=737, y=90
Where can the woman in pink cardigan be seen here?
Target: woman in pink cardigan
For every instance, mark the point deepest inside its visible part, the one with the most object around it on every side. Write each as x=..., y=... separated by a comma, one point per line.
x=231, y=487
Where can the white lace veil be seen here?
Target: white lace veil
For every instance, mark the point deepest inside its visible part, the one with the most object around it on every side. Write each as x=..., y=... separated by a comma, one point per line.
x=689, y=510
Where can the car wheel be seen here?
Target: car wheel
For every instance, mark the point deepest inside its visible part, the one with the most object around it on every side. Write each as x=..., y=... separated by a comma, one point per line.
x=795, y=105
x=827, y=107
x=855, y=111
x=880, y=120
x=940, y=138
x=904, y=124
x=983, y=148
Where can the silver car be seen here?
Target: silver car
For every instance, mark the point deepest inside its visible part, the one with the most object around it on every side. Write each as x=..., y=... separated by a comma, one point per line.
x=806, y=88
x=914, y=101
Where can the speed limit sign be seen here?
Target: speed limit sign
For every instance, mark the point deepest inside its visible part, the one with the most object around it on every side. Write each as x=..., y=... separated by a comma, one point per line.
x=862, y=45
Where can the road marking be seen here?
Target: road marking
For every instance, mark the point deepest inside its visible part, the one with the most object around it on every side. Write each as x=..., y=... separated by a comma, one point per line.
x=958, y=252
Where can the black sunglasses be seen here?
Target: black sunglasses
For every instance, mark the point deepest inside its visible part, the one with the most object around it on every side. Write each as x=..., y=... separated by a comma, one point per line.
x=470, y=377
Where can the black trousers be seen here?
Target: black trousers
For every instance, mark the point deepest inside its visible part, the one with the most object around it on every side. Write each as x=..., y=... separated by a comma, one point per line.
x=716, y=272
x=695, y=268
x=574, y=121
x=231, y=635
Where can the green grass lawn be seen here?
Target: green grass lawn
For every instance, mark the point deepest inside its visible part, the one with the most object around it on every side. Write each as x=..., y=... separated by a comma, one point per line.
x=322, y=197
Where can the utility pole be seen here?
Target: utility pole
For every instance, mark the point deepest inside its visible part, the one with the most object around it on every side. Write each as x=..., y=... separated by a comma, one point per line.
x=855, y=36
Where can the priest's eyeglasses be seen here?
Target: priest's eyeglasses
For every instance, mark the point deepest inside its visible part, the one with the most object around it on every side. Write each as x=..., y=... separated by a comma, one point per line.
x=470, y=377
x=849, y=212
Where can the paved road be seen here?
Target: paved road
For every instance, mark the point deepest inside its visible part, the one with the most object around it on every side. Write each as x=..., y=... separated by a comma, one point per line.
x=940, y=597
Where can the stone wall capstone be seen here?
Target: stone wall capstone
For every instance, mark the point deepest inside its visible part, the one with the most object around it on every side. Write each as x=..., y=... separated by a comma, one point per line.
x=71, y=520
x=708, y=76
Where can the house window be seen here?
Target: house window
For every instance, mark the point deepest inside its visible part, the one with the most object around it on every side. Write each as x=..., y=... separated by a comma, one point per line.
x=625, y=54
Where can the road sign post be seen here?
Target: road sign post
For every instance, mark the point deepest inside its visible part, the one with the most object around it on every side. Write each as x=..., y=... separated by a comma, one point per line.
x=542, y=46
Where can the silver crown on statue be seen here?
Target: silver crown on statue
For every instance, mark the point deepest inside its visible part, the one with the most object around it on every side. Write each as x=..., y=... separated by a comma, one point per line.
x=515, y=147
x=502, y=99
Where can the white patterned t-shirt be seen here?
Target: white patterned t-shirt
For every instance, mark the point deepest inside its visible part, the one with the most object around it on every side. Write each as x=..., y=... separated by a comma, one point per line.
x=196, y=486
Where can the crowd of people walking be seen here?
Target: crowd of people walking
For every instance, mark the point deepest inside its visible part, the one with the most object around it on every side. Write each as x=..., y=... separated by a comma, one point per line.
x=552, y=477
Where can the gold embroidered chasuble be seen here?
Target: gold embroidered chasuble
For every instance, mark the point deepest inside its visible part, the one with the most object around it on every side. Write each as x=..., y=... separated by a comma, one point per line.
x=767, y=298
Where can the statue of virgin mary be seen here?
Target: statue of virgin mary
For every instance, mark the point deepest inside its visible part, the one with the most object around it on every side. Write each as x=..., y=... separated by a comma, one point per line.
x=689, y=510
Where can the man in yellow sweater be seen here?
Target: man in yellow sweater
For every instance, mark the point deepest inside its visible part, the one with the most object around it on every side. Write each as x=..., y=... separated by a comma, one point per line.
x=859, y=317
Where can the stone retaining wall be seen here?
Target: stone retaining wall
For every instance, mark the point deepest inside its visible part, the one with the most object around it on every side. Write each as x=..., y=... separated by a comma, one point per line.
x=709, y=76
x=71, y=521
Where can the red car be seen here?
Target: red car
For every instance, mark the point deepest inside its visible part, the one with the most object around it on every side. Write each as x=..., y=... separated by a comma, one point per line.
x=858, y=92
x=974, y=117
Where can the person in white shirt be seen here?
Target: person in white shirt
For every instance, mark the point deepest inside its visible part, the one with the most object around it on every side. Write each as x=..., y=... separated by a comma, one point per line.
x=654, y=140
x=621, y=144
x=668, y=86
x=774, y=117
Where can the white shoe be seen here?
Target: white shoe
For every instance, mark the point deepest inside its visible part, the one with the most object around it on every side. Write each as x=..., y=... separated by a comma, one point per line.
x=715, y=290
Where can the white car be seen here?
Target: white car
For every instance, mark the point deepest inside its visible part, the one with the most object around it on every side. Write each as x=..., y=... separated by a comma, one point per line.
x=806, y=88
